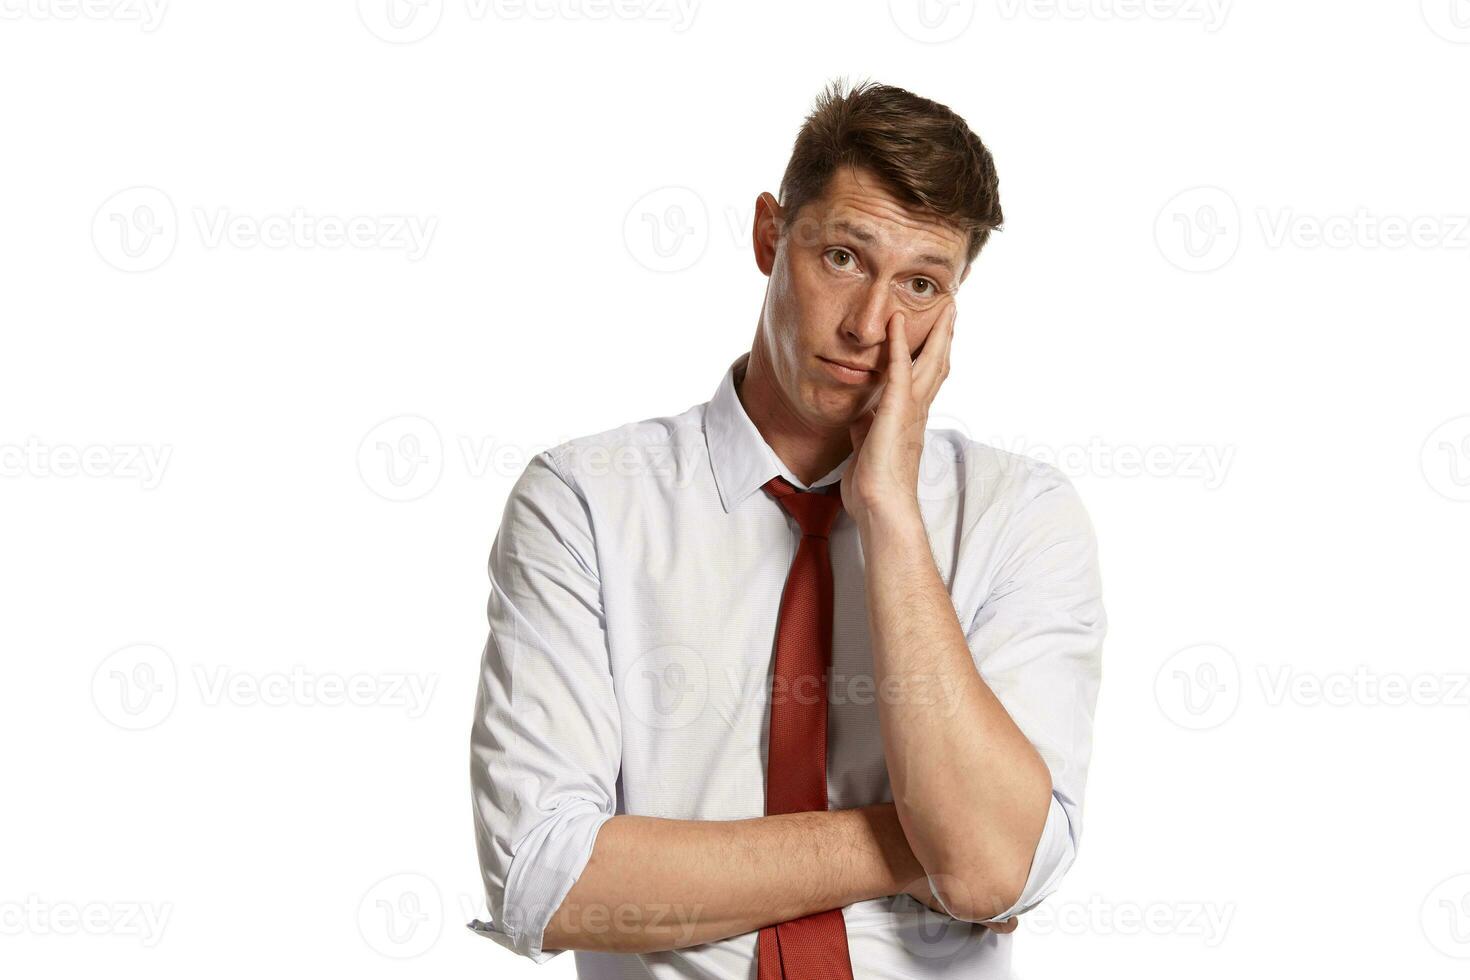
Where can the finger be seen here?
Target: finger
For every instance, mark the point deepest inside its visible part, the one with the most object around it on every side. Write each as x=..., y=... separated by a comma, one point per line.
x=1009, y=925
x=954, y=314
x=933, y=362
x=900, y=362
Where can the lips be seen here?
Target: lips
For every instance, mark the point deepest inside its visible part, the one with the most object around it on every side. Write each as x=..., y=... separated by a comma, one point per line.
x=847, y=364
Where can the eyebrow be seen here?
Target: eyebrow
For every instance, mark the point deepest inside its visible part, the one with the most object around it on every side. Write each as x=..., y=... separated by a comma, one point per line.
x=868, y=238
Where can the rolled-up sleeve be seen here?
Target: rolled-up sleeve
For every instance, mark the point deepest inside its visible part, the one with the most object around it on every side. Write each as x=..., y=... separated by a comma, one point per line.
x=1037, y=641
x=545, y=744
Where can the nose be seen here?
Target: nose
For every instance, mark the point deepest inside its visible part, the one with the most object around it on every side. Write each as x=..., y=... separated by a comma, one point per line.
x=867, y=319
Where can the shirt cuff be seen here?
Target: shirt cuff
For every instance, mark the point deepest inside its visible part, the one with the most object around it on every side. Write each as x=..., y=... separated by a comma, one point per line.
x=546, y=864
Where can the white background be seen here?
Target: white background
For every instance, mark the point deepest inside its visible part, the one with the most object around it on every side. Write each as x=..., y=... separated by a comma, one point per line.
x=248, y=467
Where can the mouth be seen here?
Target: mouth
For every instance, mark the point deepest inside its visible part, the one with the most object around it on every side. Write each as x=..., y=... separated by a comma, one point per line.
x=848, y=373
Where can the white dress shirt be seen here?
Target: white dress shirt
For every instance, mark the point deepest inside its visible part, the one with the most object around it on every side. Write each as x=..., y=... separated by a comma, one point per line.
x=634, y=588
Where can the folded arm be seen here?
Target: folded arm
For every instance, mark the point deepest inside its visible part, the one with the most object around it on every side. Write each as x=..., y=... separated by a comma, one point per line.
x=987, y=736
x=655, y=884
x=562, y=869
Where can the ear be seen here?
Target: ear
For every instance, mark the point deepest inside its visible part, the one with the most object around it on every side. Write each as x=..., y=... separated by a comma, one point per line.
x=766, y=231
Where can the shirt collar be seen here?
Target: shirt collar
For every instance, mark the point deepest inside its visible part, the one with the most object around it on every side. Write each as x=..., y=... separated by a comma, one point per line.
x=741, y=458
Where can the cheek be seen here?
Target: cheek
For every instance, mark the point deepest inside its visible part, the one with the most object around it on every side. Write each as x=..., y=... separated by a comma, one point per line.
x=819, y=292
x=791, y=291
x=917, y=331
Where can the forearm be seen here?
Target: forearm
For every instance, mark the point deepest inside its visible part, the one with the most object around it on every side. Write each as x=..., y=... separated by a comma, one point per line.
x=970, y=790
x=655, y=884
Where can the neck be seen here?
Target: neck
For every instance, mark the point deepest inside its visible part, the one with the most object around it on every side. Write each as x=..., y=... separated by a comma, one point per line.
x=809, y=452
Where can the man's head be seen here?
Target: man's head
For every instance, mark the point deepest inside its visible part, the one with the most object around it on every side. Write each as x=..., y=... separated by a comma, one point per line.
x=886, y=201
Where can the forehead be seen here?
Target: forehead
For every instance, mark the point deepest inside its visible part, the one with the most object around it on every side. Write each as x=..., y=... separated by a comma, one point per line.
x=856, y=205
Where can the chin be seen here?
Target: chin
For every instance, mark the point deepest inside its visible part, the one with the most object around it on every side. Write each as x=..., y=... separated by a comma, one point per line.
x=836, y=405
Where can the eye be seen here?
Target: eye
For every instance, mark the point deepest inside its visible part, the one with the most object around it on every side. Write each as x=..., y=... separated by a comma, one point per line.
x=846, y=257
x=921, y=292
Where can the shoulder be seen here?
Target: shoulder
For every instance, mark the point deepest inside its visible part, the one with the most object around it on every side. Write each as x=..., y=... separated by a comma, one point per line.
x=644, y=446
x=1022, y=520
x=991, y=477
x=1013, y=511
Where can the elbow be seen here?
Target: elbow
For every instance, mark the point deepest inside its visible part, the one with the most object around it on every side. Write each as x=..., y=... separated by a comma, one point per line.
x=1011, y=881
x=980, y=892
x=987, y=874
x=556, y=937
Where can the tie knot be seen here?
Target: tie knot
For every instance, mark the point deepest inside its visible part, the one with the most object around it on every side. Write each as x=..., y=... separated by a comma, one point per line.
x=814, y=510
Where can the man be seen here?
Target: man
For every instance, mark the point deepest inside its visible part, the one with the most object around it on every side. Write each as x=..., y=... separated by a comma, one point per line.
x=787, y=685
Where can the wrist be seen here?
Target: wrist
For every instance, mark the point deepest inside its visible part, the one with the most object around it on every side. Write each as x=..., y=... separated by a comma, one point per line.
x=897, y=867
x=892, y=515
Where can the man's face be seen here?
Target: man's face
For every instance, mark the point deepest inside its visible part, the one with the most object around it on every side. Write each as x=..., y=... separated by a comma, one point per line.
x=845, y=264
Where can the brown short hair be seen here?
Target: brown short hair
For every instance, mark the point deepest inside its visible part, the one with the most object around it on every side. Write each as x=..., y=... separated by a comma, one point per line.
x=923, y=152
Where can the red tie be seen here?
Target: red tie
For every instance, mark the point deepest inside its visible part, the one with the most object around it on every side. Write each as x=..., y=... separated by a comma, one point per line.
x=813, y=947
